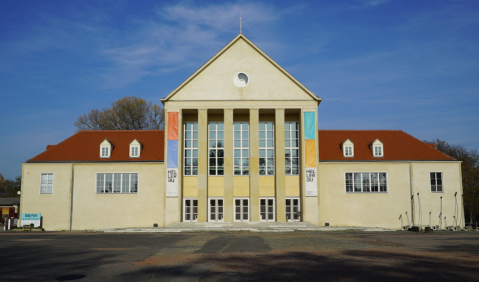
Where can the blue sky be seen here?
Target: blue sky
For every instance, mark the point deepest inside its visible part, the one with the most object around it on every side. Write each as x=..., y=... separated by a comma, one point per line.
x=377, y=64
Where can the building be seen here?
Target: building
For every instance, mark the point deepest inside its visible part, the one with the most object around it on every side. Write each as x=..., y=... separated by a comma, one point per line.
x=241, y=144
x=9, y=209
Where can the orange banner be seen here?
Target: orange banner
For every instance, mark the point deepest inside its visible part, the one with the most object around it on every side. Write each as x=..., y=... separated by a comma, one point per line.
x=172, y=125
x=310, y=153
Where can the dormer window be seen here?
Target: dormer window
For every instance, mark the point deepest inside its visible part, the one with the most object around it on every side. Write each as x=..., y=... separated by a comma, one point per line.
x=135, y=148
x=105, y=149
x=348, y=149
x=377, y=148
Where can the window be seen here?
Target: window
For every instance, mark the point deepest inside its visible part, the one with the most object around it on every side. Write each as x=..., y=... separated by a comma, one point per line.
x=241, y=148
x=191, y=148
x=436, y=181
x=348, y=149
x=135, y=149
x=46, y=183
x=267, y=209
x=378, y=149
x=291, y=145
x=119, y=183
x=216, y=148
x=241, y=209
x=366, y=182
x=266, y=148
x=105, y=149
x=105, y=152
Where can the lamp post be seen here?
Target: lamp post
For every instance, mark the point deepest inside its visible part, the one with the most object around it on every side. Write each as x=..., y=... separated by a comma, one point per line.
x=472, y=207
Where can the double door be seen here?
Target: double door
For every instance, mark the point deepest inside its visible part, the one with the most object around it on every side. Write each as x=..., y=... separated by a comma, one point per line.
x=292, y=209
x=267, y=209
x=215, y=211
x=190, y=210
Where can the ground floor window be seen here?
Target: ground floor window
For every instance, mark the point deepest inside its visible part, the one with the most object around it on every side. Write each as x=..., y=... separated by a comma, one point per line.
x=190, y=209
x=366, y=182
x=215, y=209
x=267, y=209
x=241, y=209
x=119, y=183
x=293, y=209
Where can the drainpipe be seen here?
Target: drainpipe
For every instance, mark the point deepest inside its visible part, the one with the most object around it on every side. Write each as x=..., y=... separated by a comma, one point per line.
x=412, y=196
x=71, y=197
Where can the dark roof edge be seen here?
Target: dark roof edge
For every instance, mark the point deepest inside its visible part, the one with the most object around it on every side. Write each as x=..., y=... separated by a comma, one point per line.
x=136, y=161
x=352, y=161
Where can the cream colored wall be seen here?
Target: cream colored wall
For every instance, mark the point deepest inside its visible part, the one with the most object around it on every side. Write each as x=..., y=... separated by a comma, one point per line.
x=216, y=81
x=216, y=186
x=190, y=186
x=240, y=186
x=55, y=207
x=339, y=208
x=430, y=202
x=292, y=186
x=98, y=211
x=266, y=186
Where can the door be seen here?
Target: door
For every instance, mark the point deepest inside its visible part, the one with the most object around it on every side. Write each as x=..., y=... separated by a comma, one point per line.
x=267, y=209
x=241, y=209
x=216, y=210
x=190, y=210
x=292, y=209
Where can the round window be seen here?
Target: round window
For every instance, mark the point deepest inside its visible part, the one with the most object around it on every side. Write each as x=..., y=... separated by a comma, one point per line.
x=241, y=79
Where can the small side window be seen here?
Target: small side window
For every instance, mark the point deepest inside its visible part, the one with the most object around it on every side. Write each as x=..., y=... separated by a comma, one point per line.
x=46, y=186
x=436, y=181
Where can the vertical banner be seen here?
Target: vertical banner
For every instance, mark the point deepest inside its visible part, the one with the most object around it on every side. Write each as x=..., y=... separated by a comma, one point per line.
x=172, y=156
x=310, y=170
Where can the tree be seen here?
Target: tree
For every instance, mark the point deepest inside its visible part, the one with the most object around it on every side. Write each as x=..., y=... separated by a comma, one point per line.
x=9, y=188
x=470, y=173
x=128, y=113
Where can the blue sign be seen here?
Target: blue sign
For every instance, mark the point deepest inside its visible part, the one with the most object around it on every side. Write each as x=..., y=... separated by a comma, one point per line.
x=31, y=216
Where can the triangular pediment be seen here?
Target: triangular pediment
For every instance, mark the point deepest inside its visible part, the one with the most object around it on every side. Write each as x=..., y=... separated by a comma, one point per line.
x=214, y=81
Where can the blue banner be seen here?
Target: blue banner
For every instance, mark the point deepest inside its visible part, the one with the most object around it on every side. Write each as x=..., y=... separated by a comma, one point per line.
x=309, y=125
x=172, y=157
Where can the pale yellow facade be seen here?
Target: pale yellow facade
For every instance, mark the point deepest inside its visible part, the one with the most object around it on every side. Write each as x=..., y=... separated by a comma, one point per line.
x=211, y=95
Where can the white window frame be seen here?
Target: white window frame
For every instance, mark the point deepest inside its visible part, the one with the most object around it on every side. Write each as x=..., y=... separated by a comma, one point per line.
x=216, y=149
x=192, y=151
x=241, y=207
x=241, y=152
x=184, y=209
x=299, y=208
x=135, y=149
x=362, y=182
x=265, y=150
x=290, y=149
x=348, y=151
x=378, y=151
x=274, y=209
x=442, y=181
x=114, y=182
x=102, y=151
x=209, y=209
x=41, y=182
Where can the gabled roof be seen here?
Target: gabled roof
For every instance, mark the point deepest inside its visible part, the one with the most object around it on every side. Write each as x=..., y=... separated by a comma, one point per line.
x=398, y=146
x=9, y=201
x=84, y=146
x=222, y=51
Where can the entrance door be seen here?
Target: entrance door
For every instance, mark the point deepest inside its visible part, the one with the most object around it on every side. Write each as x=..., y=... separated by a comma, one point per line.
x=241, y=209
x=190, y=210
x=267, y=209
x=216, y=210
x=292, y=209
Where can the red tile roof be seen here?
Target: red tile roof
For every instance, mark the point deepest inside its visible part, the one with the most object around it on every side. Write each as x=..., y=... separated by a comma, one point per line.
x=398, y=146
x=84, y=146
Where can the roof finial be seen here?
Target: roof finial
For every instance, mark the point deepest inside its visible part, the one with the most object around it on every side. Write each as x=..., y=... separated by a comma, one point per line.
x=240, y=23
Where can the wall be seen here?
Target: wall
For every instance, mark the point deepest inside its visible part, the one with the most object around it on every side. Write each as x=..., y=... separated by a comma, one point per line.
x=55, y=207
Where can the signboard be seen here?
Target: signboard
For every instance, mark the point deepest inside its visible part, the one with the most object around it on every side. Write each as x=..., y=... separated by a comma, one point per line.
x=172, y=182
x=311, y=182
x=29, y=218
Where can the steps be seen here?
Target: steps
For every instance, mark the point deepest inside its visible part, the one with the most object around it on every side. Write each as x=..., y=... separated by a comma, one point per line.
x=240, y=226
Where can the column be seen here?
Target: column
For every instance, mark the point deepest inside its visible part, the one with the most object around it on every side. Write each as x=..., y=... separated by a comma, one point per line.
x=279, y=173
x=228, y=155
x=254, y=164
x=202, y=165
